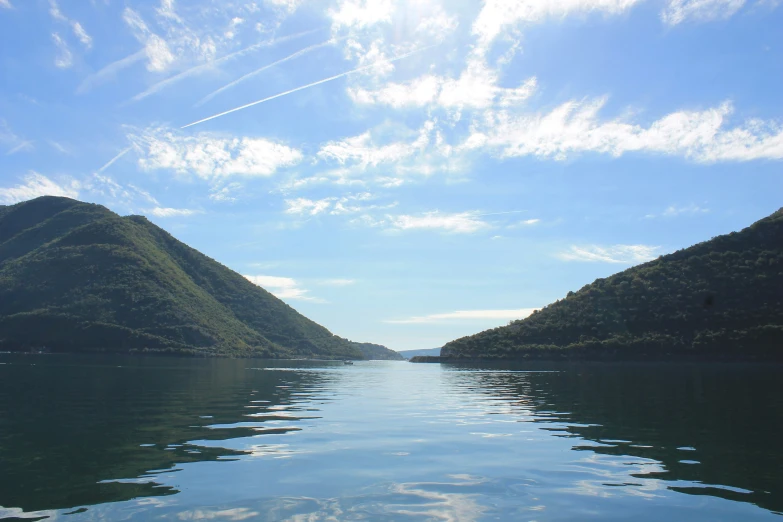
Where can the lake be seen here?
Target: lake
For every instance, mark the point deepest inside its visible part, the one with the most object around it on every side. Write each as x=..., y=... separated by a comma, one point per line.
x=153, y=438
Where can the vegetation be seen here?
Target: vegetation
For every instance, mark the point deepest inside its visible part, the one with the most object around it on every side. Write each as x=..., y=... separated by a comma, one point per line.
x=377, y=352
x=77, y=277
x=721, y=299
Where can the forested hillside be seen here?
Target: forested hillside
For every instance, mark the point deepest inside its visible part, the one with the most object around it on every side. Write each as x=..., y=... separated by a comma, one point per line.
x=76, y=276
x=719, y=299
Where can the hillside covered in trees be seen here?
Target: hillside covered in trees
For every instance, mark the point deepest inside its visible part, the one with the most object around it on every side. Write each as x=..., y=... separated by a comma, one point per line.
x=78, y=277
x=720, y=299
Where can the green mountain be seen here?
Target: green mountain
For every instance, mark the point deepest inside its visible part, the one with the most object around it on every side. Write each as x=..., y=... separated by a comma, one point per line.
x=78, y=277
x=376, y=352
x=721, y=299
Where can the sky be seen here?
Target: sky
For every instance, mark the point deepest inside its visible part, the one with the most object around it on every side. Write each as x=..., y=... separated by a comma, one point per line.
x=403, y=172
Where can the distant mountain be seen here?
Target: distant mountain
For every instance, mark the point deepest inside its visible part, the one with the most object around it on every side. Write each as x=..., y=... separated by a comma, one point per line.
x=430, y=352
x=376, y=352
x=720, y=299
x=78, y=277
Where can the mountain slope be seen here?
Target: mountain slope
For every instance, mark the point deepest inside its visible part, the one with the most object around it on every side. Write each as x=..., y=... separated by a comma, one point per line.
x=719, y=299
x=376, y=352
x=76, y=276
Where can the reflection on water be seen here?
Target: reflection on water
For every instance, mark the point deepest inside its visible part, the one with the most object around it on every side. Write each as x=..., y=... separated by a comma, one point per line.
x=112, y=438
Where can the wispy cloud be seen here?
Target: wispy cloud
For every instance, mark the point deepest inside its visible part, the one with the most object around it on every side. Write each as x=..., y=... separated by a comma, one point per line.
x=673, y=211
x=6, y=4
x=291, y=91
x=164, y=212
x=64, y=58
x=211, y=157
x=466, y=315
x=678, y=11
x=459, y=223
x=624, y=254
x=59, y=147
x=499, y=15
x=283, y=287
x=348, y=204
x=576, y=127
x=125, y=195
x=156, y=49
x=210, y=65
x=14, y=143
x=23, y=146
x=258, y=71
x=110, y=71
x=36, y=185
x=78, y=30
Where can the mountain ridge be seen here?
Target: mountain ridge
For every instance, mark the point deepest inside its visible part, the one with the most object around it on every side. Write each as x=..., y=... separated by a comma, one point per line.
x=75, y=276
x=719, y=299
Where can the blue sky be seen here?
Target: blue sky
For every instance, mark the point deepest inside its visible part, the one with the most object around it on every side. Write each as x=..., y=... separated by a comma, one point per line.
x=403, y=172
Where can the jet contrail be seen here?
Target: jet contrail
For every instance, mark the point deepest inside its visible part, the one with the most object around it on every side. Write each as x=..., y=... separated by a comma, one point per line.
x=111, y=161
x=264, y=68
x=108, y=71
x=319, y=82
x=193, y=70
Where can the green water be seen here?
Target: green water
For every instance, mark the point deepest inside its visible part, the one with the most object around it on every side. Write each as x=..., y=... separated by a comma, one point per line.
x=121, y=438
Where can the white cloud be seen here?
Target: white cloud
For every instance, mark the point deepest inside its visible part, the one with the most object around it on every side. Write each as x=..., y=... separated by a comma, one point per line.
x=466, y=315
x=362, y=150
x=78, y=30
x=225, y=194
x=59, y=147
x=525, y=223
x=575, y=127
x=677, y=11
x=674, y=211
x=6, y=4
x=304, y=206
x=159, y=56
x=283, y=287
x=36, y=185
x=360, y=14
x=289, y=6
x=64, y=58
x=497, y=15
x=625, y=254
x=476, y=87
x=125, y=195
x=459, y=223
x=163, y=212
x=350, y=204
x=81, y=34
x=211, y=157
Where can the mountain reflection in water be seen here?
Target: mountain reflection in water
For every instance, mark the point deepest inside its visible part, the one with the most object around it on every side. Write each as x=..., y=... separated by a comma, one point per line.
x=135, y=438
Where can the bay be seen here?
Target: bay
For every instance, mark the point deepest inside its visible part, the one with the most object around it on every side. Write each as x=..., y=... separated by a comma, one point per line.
x=91, y=437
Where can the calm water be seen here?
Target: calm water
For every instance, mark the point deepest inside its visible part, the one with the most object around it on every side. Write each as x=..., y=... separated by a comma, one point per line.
x=111, y=438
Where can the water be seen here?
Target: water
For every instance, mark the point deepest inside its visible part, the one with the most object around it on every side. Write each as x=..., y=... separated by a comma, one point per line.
x=121, y=438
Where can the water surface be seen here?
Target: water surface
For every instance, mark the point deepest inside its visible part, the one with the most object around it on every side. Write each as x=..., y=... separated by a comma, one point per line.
x=135, y=438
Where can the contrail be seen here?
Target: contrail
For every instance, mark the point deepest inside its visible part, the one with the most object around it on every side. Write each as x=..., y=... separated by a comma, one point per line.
x=319, y=82
x=198, y=68
x=109, y=71
x=264, y=68
x=114, y=159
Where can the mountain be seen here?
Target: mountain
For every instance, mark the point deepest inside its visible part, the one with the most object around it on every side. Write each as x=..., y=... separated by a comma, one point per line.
x=721, y=299
x=376, y=352
x=77, y=277
x=430, y=352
